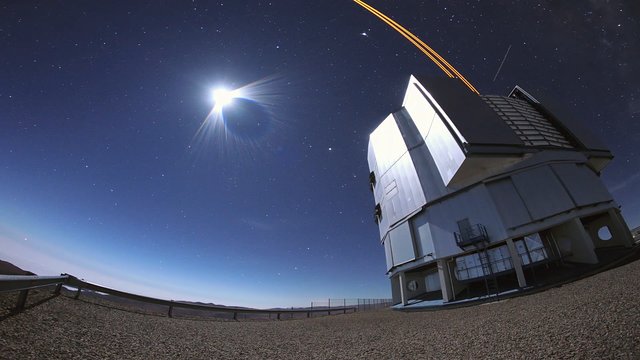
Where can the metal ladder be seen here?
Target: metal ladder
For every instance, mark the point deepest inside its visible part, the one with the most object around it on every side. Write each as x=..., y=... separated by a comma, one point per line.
x=490, y=281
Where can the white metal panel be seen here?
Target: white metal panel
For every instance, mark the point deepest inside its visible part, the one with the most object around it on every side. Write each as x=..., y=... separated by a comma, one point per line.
x=542, y=192
x=402, y=244
x=432, y=184
x=509, y=204
x=441, y=142
x=424, y=241
x=371, y=159
x=373, y=167
x=445, y=150
x=582, y=183
x=398, y=189
x=387, y=144
x=400, y=193
x=408, y=129
x=395, y=289
x=387, y=253
x=442, y=229
x=420, y=110
x=415, y=91
x=383, y=224
x=474, y=204
x=432, y=282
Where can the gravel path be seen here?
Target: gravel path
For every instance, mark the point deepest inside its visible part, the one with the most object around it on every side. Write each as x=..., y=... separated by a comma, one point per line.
x=596, y=317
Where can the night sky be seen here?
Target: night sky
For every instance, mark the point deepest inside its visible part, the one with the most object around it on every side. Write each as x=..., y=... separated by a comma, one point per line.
x=108, y=173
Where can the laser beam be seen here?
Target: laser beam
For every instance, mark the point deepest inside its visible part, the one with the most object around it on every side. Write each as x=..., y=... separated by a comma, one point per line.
x=444, y=65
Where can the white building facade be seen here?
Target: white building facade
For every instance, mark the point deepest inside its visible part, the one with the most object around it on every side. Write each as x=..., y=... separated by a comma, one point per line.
x=472, y=191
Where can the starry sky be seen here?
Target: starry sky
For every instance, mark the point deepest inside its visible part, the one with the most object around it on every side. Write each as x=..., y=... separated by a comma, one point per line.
x=109, y=172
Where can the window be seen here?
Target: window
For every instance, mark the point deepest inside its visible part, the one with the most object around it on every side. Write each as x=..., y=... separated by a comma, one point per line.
x=604, y=233
x=377, y=213
x=492, y=261
x=531, y=249
x=412, y=285
x=372, y=180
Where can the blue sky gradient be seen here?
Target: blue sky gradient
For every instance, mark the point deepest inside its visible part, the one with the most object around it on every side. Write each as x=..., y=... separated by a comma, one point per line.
x=108, y=174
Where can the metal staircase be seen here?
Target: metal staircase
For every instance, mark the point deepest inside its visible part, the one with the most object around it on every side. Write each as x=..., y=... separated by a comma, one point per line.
x=475, y=236
x=471, y=235
x=490, y=280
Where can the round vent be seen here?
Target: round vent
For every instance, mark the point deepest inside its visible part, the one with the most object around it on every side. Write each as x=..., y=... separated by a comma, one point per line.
x=412, y=285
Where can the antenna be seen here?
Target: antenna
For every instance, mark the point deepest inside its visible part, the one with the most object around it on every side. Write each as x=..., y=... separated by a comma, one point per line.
x=426, y=49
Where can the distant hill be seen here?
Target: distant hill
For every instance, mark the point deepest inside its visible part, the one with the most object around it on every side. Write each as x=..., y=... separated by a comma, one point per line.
x=7, y=268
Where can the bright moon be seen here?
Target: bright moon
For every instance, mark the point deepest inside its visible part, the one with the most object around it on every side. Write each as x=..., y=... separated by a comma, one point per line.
x=223, y=97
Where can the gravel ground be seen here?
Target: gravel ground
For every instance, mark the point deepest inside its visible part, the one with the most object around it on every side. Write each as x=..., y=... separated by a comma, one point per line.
x=593, y=318
x=8, y=300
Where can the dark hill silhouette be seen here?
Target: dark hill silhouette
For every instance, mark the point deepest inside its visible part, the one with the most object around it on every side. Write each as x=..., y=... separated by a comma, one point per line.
x=7, y=268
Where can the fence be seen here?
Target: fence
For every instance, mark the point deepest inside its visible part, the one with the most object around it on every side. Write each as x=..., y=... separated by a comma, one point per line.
x=359, y=304
x=24, y=283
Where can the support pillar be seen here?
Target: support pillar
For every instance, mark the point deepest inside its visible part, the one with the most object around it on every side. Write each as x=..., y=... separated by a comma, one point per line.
x=403, y=291
x=620, y=228
x=582, y=245
x=22, y=300
x=445, y=281
x=517, y=263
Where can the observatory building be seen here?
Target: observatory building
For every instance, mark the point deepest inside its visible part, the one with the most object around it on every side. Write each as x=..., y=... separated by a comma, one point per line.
x=481, y=194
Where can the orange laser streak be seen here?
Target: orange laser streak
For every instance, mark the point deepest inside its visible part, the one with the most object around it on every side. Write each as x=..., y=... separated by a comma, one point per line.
x=411, y=37
x=407, y=36
x=406, y=33
x=441, y=62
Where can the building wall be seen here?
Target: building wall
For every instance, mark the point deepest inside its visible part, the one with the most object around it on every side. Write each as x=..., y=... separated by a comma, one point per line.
x=503, y=205
x=608, y=229
x=543, y=191
x=574, y=242
x=395, y=289
x=430, y=233
x=507, y=205
x=474, y=204
x=435, y=164
x=397, y=187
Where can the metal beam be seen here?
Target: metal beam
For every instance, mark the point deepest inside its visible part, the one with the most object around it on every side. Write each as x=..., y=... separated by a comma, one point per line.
x=24, y=282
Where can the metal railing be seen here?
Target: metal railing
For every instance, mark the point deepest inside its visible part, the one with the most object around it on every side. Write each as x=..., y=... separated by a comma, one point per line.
x=471, y=235
x=361, y=304
x=24, y=283
x=486, y=268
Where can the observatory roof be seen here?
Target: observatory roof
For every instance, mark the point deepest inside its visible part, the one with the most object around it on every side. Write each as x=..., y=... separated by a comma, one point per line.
x=474, y=119
x=574, y=129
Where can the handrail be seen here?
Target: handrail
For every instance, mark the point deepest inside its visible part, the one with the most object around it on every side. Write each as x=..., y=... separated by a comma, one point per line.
x=75, y=282
x=471, y=235
x=26, y=282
